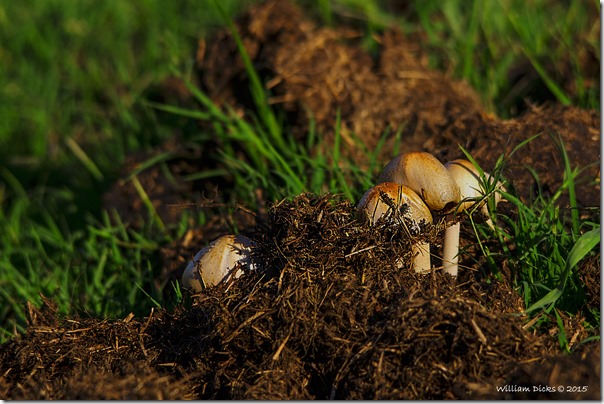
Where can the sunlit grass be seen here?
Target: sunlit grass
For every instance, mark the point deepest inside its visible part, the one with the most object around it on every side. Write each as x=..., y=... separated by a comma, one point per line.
x=95, y=270
x=542, y=244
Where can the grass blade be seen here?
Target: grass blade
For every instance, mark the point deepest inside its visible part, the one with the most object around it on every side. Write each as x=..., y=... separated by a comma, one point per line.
x=582, y=247
x=143, y=195
x=84, y=159
x=569, y=177
x=257, y=89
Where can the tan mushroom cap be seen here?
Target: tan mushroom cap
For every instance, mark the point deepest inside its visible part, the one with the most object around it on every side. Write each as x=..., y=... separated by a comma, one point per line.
x=428, y=177
x=470, y=184
x=372, y=206
x=223, y=258
x=468, y=180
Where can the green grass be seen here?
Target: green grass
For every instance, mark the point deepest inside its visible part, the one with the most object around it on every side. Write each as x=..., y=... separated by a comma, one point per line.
x=74, y=83
x=93, y=270
x=73, y=77
x=74, y=73
x=542, y=243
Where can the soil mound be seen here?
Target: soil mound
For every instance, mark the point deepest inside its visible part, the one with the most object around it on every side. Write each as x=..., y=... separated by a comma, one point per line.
x=329, y=316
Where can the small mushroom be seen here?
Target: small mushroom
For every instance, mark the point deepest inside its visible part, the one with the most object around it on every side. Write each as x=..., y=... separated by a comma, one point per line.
x=428, y=177
x=226, y=257
x=471, y=189
x=372, y=206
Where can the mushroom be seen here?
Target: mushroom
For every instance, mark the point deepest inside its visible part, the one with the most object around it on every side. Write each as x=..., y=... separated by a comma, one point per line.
x=373, y=206
x=225, y=258
x=428, y=177
x=471, y=189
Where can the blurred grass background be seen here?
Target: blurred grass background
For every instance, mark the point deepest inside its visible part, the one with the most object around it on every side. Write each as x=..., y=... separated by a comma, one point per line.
x=73, y=82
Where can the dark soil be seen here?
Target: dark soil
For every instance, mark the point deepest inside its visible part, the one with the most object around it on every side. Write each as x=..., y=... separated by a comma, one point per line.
x=330, y=316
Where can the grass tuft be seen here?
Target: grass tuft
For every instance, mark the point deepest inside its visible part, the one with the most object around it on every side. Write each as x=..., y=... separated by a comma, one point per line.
x=548, y=245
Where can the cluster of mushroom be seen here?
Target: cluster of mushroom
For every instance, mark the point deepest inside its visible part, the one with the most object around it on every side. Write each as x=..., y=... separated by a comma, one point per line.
x=419, y=181
x=415, y=180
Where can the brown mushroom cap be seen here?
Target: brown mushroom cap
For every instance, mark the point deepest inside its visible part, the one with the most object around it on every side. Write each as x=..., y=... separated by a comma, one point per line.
x=428, y=177
x=372, y=206
x=470, y=184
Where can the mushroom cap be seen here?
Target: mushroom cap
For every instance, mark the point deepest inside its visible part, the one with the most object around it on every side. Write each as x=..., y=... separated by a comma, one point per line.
x=468, y=180
x=428, y=177
x=223, y=258
x=372, y=207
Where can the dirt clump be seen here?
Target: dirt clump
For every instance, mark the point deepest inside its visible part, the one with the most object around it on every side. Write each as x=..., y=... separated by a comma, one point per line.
x=160, y=175
x=559, y=377
x=554, y=126
x=590, y=274
x=320, y=73
x=79, y=358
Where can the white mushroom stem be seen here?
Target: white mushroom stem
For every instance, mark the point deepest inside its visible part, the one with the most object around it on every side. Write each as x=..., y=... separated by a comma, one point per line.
x=468, y=179
x=451, y=249
x=422, y=262
x=372, y=207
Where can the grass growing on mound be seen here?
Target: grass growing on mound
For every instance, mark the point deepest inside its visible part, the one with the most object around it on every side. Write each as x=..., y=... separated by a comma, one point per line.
x=543, y=244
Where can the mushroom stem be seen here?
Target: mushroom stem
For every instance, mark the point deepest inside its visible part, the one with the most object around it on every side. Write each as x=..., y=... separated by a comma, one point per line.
x=451, y=249
x=421, y=260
